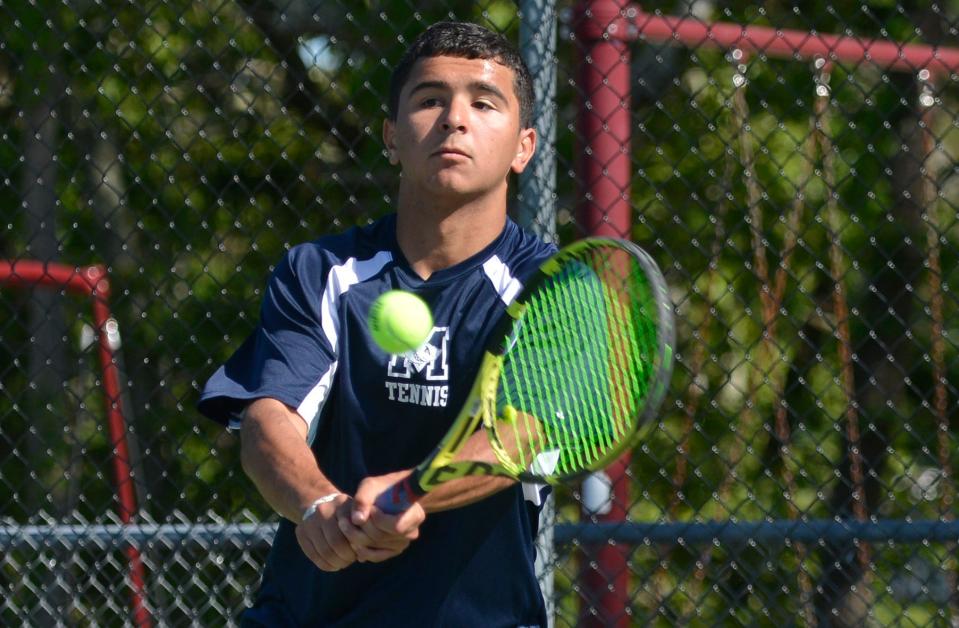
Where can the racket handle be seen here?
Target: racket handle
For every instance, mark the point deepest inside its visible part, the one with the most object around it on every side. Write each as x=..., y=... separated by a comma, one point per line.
x=398, y=498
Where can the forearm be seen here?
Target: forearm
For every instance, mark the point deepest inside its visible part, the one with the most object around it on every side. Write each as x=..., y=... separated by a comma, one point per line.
x=277, y=458
x=467, y=490
x=463, y=491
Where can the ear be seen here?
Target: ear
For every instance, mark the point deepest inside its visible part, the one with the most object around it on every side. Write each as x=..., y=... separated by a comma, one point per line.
x=525, y=148
x=389, y=140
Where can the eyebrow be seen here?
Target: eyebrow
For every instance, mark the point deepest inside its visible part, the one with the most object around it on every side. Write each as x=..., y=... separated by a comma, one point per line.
x=479, y=86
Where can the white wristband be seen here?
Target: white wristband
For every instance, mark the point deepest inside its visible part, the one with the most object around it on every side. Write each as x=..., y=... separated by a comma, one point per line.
x=312, y=508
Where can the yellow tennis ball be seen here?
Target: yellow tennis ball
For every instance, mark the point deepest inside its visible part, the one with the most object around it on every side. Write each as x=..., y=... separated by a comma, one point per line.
x=400, y=321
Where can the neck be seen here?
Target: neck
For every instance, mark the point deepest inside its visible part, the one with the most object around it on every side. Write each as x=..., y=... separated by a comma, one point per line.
x=443, y=232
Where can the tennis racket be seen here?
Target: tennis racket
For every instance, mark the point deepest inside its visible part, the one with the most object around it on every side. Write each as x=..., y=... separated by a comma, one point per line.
x=580, y=361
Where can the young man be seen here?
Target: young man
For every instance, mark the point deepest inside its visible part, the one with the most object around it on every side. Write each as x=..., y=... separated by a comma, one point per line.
x=328, y=420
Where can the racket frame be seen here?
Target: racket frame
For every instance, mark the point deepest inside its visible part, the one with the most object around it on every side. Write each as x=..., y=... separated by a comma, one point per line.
x=480, y=407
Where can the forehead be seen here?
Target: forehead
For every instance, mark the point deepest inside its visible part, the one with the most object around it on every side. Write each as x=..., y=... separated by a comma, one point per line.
x=457, y=71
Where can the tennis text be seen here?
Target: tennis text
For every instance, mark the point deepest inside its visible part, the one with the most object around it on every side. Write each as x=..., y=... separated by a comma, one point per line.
x=418, y=394
x=428, y=364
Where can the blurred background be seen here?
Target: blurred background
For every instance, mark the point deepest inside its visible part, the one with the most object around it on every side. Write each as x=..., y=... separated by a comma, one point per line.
x=792, y=168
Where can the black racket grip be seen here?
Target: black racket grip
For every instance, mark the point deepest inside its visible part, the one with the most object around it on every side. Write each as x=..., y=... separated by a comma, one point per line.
x=399, y=497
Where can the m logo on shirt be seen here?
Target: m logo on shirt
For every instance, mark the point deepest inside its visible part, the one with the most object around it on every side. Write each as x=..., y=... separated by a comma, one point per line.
x=422, y=374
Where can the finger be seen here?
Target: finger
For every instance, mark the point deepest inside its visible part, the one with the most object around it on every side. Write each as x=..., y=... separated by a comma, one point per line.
x=312, y=552
x=360, y=514
x=410, y=520
x=362, y=504
x=378, y=530
x=389, y=542
x=356, y=536
x=378, y=555
x=402, y=524
x=338, y=544
x=358, y=539
x=332, y=558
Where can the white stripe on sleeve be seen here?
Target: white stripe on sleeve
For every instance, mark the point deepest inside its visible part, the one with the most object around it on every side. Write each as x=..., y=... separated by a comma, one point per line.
x=506, y=286
x=338, y=282
x=313, y=403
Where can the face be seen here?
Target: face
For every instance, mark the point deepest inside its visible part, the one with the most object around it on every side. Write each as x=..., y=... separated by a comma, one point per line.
x=457, y=129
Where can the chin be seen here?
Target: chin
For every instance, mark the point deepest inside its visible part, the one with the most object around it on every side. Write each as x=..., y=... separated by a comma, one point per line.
x=453, y=186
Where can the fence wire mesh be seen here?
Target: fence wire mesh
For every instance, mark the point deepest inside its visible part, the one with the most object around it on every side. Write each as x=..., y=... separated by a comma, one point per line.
x=799, y=190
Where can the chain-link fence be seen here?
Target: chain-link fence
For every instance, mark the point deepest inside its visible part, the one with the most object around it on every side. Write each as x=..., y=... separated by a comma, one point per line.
x=798, y=188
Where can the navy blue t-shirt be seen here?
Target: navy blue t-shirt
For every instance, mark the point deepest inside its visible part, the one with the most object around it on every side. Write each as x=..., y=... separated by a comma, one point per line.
x=370, y=413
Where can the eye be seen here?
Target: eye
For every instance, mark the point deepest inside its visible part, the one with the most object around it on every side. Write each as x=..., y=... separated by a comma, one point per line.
x=428, y=103
x=483, y=104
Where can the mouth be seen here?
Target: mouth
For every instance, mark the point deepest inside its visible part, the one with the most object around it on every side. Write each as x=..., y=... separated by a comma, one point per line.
x=450, y=152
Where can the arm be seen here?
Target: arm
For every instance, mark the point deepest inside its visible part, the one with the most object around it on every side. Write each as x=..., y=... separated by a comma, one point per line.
x=275, y=455
x=467, y=490
x=451, y=494
x=370, y=528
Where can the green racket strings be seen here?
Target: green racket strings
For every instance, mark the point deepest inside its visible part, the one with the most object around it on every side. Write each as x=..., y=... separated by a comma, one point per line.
x=578, y=364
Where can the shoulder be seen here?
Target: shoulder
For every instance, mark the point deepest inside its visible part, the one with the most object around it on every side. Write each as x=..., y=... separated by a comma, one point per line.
x=523, y=251
x=369, y=246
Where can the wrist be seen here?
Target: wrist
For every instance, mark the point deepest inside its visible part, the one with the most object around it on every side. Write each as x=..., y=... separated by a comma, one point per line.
x=315, y=505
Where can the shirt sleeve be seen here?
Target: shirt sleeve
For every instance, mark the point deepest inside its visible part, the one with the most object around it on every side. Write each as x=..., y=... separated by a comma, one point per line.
x=288, y=357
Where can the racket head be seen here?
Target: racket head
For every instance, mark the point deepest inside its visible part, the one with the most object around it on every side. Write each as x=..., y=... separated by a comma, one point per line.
x=584, y=360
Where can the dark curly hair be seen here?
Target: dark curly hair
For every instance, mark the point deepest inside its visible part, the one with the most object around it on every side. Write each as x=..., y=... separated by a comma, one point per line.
x=467, y=41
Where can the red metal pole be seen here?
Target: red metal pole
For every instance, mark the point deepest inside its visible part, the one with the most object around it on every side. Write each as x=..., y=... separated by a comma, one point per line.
x=31, y=272
x=604, y=118
x=788, y=44
x=92, y=281
x=605, y=172
x=106, y=328
x=122, y=471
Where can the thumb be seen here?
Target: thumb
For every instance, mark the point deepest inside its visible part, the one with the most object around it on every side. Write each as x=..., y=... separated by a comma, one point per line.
x=362, y=505
x=359, y=515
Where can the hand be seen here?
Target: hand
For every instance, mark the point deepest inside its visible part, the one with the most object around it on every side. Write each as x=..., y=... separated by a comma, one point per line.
x=374, y=535
x=321, y=539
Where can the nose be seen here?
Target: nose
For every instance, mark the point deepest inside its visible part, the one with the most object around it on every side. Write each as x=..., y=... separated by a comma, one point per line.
x=456, y=116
